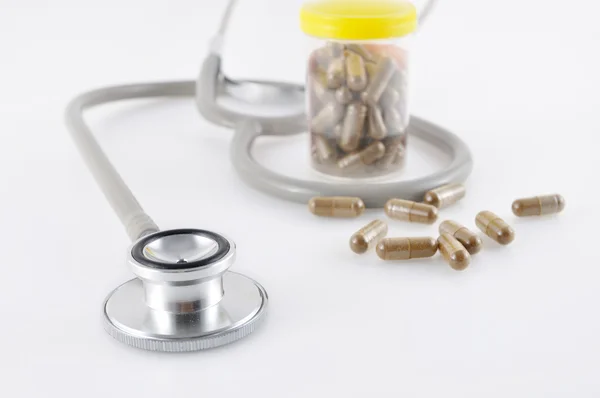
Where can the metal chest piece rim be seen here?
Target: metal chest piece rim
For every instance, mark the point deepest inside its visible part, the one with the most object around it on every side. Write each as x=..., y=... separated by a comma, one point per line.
x=184, y=298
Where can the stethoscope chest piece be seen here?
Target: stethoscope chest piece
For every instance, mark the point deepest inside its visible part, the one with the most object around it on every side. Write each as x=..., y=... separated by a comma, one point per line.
x=184, y=298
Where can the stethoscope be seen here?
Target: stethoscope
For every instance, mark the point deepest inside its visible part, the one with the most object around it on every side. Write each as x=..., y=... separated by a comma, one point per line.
x=184, y=298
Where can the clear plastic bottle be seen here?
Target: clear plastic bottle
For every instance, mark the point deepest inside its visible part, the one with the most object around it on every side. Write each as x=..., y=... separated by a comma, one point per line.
x=357, y=84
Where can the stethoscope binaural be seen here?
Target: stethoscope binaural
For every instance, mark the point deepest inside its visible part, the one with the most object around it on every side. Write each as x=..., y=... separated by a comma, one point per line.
x=183, y=297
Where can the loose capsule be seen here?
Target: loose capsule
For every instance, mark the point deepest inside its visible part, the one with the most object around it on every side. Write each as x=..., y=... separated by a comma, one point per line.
x=367, y=236
x=406, y=248
x=336, y=73
x=538, y=206
x=367, y=156
x=494, y=227
x=337, y=131
x=469, y=239
x=453, y=252
x=356, y=75
x=445, y=196
x=324, y=151
x=352, y=128
x=406, y=210
x=377, y=127
x=383, y=74
x=336, y=206
x=343, y=95
x=362, y=51
x=327, y=118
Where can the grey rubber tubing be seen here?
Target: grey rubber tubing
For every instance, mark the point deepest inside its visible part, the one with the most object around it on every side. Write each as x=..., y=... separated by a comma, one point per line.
x=373, y=194
x=133, y=217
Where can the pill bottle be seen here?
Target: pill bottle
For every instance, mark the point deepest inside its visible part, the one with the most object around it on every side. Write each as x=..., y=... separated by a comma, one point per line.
x=357, y=84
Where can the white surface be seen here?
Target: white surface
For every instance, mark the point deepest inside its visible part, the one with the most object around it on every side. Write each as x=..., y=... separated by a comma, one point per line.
x=522, y=321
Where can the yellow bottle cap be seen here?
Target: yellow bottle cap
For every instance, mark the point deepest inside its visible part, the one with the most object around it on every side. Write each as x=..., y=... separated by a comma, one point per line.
x=358, y=19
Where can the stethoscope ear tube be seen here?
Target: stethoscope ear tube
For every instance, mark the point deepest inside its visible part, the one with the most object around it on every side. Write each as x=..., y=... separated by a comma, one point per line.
x=373, y=193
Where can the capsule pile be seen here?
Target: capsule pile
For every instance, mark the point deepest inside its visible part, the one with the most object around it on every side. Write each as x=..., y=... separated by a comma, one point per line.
x=456, y=243
x=357, y=109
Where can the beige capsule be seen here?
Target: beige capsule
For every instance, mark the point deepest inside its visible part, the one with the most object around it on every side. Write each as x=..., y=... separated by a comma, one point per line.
x=368, y=236
x=406, y=210
x=334, y=49
x=371, y=69
x=538, y=205
x=367, y=156
x=327, y=118
x=362, y=51
x=394, y=155
x=453, y=252
x=343, y=95
x=324, y=151
x=445, y=196
x=336, y=206
x=469, y=239
x=494, y=227
x=394, y=121
x=320, y=90
x=390, y=98
x=352, y=127
x=336, y=73
x=377, y=127
x=356, y=74
x=383, y=74
x=406, y=248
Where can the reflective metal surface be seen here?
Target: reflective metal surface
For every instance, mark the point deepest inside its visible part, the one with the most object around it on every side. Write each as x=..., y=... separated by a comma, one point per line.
x=184, y=305
x=181, y=248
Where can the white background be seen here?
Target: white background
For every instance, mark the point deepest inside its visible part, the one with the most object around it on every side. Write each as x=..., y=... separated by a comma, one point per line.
x=517, y=79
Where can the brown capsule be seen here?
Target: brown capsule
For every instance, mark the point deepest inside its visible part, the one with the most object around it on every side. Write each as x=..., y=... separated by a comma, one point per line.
x=383, y=74
x=356, y=75
x=352, y=127
x=445, y=196
x=406, y=210
x=377, y=127
x=453, y=252
x=362, y=51
x=538, y=206
x=367, y=236
x=343, y=95
x=367, y=156
x=406, y=248
x=469, y=239
x=324, y=151
x=327, y=118
x=494, y=227
x=336, y=74
x=336, y=206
